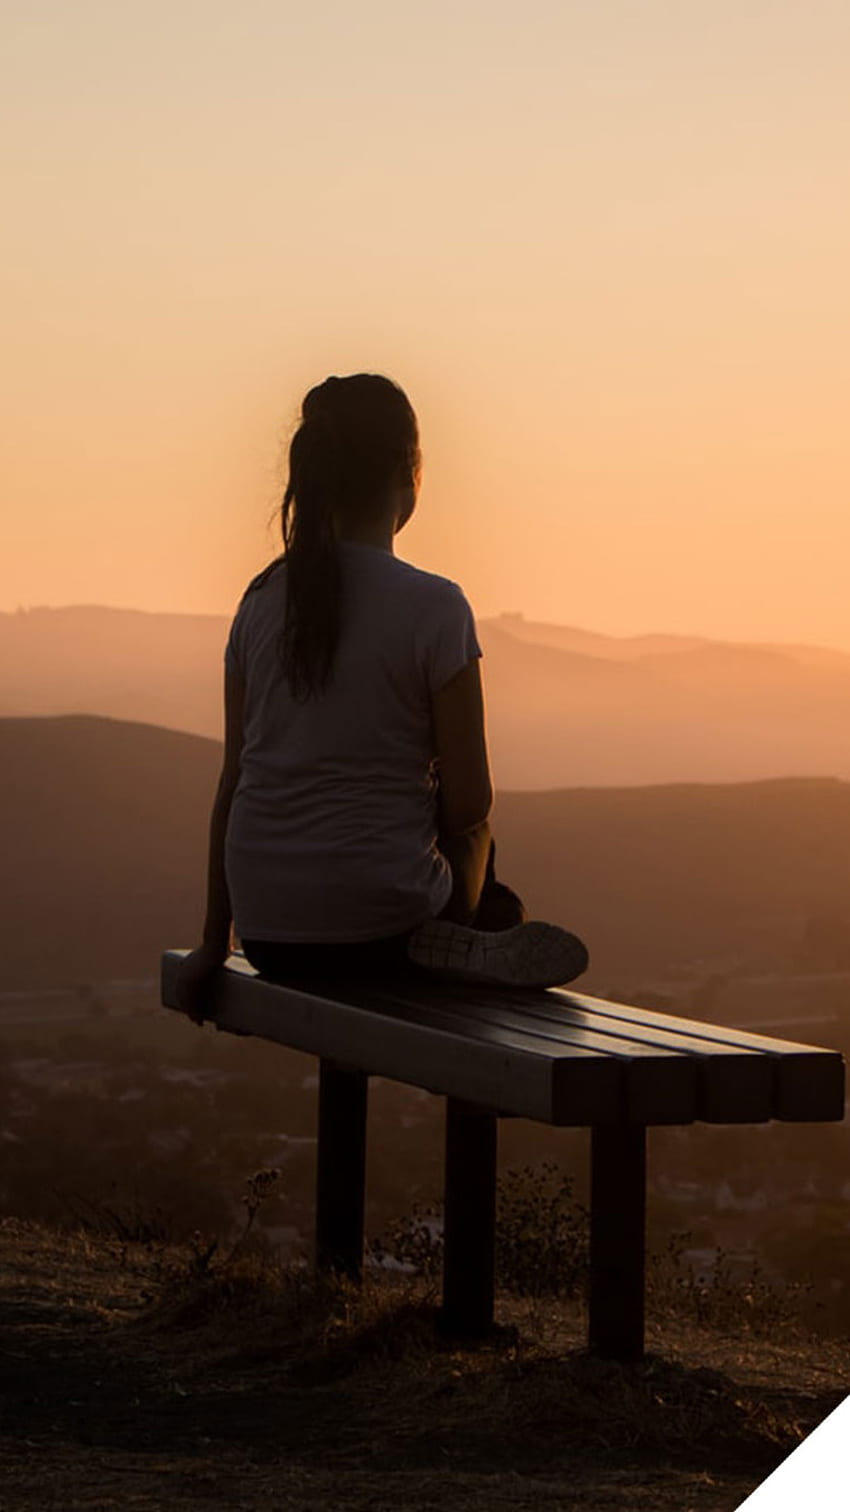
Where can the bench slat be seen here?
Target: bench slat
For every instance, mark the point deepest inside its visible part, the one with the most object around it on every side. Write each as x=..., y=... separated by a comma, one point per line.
x=739, y=1039
x=809, y=1080
x=659, y=1083
x=724, y=1086
x=732, y=1086
x=504, y=1072
x=553, y=1055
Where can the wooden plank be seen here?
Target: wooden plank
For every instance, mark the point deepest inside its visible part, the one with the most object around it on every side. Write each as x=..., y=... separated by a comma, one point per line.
x=810, y=1087
x=469, y=1208
x=740, y=1039
x=809, y=1081
x=657, y=1086
x=711, y=1082
x=617, y=1241
x=723, y=1085
x=341, y=1169
x=555, y=1056
x=425, y=1048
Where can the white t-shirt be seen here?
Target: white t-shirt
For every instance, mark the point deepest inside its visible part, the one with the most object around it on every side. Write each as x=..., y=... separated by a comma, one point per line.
x=332, y=832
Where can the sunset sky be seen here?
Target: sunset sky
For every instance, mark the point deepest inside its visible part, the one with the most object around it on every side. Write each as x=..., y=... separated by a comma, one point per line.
x=603, y=245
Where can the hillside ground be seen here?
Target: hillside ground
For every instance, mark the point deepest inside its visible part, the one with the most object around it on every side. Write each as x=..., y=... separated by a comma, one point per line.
x=129, y=1382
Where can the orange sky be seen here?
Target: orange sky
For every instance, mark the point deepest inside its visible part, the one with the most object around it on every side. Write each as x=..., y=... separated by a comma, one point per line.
x=604, y=247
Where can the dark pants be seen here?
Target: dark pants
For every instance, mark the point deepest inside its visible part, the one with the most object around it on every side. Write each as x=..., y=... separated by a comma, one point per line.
x=477, y=899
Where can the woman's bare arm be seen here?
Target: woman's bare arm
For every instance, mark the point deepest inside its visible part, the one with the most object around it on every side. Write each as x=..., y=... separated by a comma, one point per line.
x=218, y=913
x=196, y=969
x=466, y=791
x=465, y=788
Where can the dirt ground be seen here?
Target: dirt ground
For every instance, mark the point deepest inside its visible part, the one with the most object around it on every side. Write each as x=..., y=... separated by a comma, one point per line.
x=120, y=1389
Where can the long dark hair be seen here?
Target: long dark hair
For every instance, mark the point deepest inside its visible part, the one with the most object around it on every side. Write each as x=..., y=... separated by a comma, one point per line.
x=357, y=438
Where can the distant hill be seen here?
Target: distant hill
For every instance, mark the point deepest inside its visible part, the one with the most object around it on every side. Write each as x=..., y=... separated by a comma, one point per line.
x=698, y=712
x=163, y=669
x=566, y=707
x=632, y=647
x=104, y=826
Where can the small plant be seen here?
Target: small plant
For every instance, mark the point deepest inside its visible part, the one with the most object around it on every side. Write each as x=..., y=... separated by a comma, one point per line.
x=414, y=1242
x=260, y=1187
x=129, y=1220
x=728, y=1294
x=541, y=1235
x=201, y=1264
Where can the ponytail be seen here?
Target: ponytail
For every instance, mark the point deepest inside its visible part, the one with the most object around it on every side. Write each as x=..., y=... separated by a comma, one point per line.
x=357, y=436
x=312, y=613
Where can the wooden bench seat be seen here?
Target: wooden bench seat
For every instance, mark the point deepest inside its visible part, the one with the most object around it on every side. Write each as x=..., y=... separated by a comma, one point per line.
x=554, y=1056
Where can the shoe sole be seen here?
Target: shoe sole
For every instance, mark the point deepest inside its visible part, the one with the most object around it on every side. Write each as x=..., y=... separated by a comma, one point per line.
x=529, y=955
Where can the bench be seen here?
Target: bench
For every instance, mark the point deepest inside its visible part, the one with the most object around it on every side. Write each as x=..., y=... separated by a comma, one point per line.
x=556, y=1056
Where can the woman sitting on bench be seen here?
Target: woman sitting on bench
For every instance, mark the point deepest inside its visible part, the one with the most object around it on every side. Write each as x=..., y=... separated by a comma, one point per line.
x=350, y=833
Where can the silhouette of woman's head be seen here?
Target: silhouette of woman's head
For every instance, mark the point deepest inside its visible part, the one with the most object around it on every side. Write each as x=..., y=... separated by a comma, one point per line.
x=353, y=459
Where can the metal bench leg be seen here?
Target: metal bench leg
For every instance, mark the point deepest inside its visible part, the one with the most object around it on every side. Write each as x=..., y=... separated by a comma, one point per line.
x=617, y=1240
x=341, y=1169
x=470, y=1219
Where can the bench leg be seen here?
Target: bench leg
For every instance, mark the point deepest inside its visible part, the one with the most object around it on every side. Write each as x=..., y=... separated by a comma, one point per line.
x=617, y=1240
x=341, y=1169
x=469, y=1219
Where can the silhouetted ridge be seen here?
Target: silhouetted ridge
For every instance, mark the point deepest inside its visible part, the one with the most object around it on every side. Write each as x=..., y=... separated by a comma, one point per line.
x=105, y=829
x=565, y=706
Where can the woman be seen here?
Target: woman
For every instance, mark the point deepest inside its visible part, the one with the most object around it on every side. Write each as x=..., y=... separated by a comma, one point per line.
x=350, y=833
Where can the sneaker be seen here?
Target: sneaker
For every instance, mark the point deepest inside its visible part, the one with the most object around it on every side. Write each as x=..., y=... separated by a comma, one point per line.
x=529, y=955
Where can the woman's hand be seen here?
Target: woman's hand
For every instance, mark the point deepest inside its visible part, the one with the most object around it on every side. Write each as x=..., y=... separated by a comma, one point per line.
x=194, y=981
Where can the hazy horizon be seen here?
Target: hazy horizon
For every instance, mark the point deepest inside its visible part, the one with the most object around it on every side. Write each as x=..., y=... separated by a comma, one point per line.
x=649, y=631
x=564, y=706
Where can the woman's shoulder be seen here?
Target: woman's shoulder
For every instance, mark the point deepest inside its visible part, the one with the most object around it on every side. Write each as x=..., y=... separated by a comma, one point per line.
x=432, y=586
x=444, y=633
x=263, y=577
x=405, y=590
x=253, y=603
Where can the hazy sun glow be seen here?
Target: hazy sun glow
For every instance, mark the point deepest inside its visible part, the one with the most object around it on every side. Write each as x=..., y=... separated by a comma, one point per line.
x=604, y=247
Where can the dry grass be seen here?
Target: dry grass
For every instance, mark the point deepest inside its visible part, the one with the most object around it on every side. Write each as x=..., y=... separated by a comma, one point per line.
x=135, y=1377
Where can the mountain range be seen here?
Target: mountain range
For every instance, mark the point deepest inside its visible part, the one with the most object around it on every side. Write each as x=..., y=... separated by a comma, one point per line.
x=566, y=707
x=104, y=824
